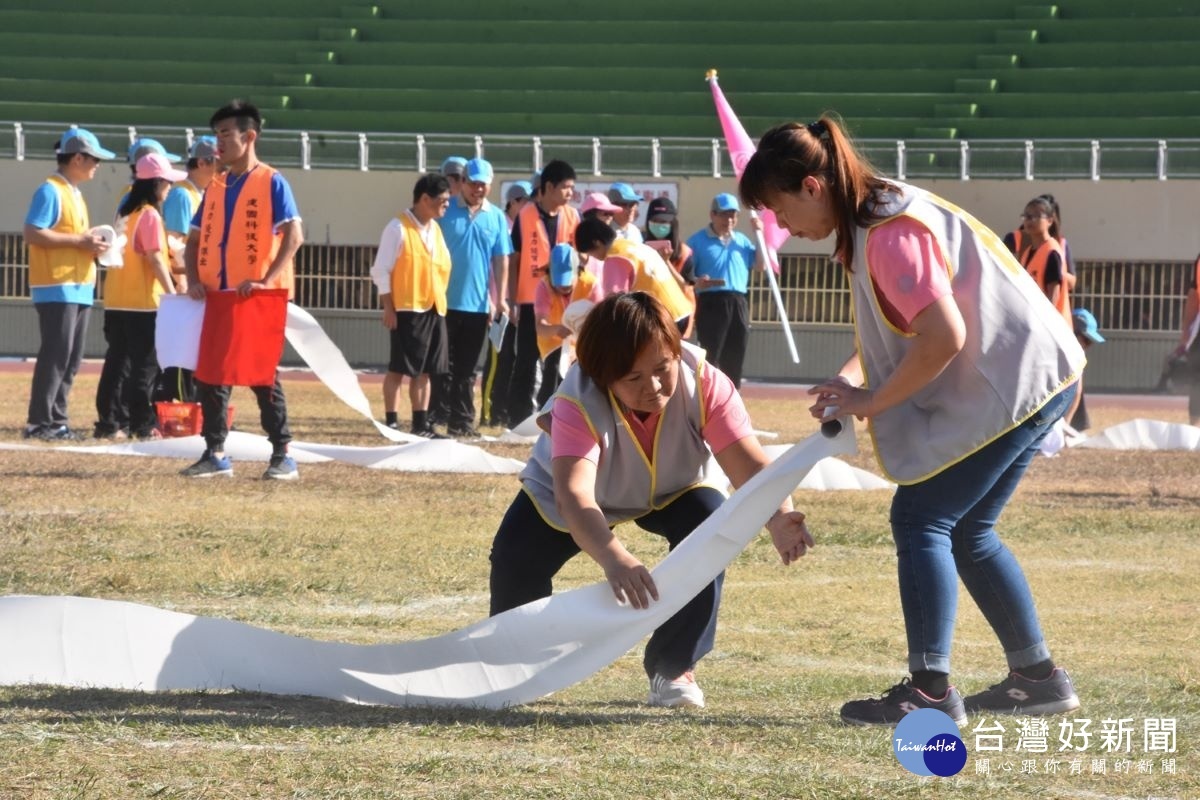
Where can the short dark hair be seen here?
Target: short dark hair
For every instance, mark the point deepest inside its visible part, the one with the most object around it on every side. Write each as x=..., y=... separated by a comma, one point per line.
x=592, y=232
x=556, y=172
x=246, y=114
x=432, y=184
x=64, y=158
x=618, y=330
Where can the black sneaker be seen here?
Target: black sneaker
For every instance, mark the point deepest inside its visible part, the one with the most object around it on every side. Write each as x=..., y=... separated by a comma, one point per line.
x=60, y=433
x=899, y=701
x=428, y=432
x=464, y=432
x=1017, y=694
x=32, y=432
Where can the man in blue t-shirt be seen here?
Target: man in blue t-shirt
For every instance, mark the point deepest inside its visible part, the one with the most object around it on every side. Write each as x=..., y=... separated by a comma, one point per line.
x=62, y=280
x=476, y=233
x=723, y=258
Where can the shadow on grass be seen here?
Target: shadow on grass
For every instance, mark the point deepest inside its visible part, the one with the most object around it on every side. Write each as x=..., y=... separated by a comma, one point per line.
x=247, y=710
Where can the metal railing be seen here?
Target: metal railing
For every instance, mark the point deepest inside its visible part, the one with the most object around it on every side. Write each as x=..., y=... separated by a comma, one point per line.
x=1019, y=159
x=1124, y=295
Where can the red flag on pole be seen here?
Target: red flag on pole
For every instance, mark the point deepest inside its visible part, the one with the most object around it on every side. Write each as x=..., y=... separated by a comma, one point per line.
x=741, y=147
x=241, y=340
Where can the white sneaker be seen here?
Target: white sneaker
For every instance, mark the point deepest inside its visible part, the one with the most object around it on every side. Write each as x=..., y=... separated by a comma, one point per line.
x=681, y=691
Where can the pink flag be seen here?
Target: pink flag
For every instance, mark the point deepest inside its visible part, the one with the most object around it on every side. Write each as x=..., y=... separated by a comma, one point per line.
x=741, y=147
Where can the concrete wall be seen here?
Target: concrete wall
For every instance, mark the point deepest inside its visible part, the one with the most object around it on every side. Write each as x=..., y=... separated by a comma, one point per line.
x=1128, y=362
x=1145, y=220
x=1109, y=219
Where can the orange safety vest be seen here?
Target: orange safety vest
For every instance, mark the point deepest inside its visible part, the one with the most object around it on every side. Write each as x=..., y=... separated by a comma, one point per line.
x=133, y=287
x=651, y=275
x=55, y=266
x=1020, y=244
x=420, y=277
x=584, y=283
x=1035, y=262
x=252, y=241
x=535, y=246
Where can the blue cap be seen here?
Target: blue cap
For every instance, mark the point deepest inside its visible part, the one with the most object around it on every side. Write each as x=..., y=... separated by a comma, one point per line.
x=80, y=140
x=564, y=264
x=454, y=165
x=518, y=191
x=623, y=193
x=479, y=170
x=203, y=147
x=725, y=202
x=1085, y=325
x=144, y=147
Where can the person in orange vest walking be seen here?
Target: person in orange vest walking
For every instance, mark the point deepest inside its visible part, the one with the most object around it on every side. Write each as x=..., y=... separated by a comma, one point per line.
x=548, y=220
x=244, y=236
x=1044, y=258
x=411, y=272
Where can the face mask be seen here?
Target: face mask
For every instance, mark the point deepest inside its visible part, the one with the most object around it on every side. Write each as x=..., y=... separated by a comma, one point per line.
x=660, y=230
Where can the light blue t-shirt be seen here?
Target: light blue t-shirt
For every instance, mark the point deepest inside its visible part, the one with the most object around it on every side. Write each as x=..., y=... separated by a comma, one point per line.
x=472, y=244
x=283, y=209
x=178, y=211
x=44, y=211
x=730, y=262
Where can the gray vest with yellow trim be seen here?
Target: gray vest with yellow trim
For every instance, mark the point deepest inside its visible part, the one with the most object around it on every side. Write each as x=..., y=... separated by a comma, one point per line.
x=628, y=483
x=1017, y=355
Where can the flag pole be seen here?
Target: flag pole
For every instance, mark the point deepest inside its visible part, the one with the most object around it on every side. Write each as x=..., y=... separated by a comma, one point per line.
x=740, y=149
x=770, y=255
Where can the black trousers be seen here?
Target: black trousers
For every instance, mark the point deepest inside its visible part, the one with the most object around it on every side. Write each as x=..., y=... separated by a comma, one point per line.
x=527, y=553
x=124, y=396
x=523, y=381
x=723, y=329
x=272, y=411
x=550, y=377
x=63, y=328
x=452, y=394
x=495, y=379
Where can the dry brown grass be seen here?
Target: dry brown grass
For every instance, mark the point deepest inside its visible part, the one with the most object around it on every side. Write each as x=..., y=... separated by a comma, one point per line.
x=1111, y=543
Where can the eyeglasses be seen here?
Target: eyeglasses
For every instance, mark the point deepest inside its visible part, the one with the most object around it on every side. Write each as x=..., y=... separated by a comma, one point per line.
x=1034, y=216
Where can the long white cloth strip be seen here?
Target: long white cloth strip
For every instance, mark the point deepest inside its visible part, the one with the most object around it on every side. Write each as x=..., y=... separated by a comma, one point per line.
x=828, y=474
x=509, y=659
x=421, y=456
x=177, y=341
x=1145, y=434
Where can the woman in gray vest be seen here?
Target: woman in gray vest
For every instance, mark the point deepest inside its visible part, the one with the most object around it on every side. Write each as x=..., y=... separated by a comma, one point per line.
x=962, y=366
x=626, y=437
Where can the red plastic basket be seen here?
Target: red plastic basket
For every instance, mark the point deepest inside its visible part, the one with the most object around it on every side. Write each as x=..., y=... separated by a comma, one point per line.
x=183, y=419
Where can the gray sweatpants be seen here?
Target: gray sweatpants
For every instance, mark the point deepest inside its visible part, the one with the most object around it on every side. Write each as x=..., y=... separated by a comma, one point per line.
x=63, y=328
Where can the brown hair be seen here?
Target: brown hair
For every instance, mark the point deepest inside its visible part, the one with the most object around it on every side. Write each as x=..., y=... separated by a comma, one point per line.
x=618, y=330
x=789, y=153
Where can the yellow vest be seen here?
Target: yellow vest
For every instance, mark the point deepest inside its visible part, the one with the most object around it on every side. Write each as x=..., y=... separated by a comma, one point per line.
x=133, y=287
x=253, y=241
x=420, y=277
x=652, y=276
x=584, y=283
x=55, y=266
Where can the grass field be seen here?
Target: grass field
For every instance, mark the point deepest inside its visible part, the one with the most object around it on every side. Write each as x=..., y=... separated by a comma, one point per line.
x=1110, y=542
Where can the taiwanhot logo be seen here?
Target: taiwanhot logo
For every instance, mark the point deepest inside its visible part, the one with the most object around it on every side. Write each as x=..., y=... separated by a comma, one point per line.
x=926, y=742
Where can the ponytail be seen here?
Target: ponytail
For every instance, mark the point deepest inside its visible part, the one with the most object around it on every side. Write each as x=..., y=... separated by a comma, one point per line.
x=789, y=153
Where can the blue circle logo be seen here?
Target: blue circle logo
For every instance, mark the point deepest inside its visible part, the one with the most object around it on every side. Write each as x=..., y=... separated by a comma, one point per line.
x=926, y=743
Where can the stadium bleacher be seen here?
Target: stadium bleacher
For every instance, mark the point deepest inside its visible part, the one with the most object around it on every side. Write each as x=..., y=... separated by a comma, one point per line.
x=931, y=70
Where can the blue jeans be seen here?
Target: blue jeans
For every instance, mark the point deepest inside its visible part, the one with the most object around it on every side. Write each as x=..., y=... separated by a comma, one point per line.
x=945, y=527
